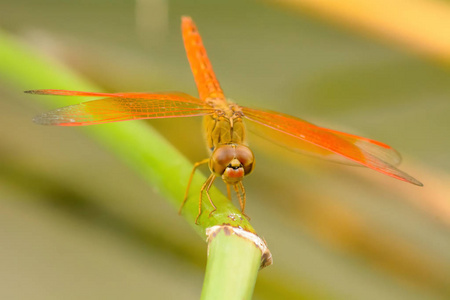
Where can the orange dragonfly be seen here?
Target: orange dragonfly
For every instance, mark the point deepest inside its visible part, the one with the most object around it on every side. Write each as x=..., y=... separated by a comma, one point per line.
x=231, y=158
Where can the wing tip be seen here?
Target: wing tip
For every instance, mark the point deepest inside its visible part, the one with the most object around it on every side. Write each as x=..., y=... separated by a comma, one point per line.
x=52, y=118
x=48, y=92
x=187, y=24
x=42, y=120
x=416, y=182
x=404, y=177
x=37, y=92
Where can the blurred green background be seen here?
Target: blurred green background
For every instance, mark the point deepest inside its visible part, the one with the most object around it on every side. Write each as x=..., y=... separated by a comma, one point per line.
x=76, y=222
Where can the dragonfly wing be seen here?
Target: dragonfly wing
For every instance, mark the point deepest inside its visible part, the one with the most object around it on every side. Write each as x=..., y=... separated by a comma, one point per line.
x=297, y=145
x=378, y=149
x=302, y=136
x=207, y=84
x=121, y=107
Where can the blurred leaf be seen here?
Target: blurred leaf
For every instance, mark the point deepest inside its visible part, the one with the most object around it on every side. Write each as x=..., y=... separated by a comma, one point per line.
x=420, y=25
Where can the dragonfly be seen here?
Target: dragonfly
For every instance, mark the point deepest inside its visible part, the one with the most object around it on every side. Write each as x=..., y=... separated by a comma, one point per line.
x=226, y=137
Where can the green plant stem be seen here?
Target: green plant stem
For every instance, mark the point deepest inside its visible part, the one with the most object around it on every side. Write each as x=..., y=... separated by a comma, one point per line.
x=152, y=156
x=234, y=258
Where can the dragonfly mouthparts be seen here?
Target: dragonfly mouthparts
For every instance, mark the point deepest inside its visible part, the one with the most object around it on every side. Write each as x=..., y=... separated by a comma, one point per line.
x=235, y=167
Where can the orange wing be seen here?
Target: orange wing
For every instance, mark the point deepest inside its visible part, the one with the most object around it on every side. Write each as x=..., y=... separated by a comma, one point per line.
x=121, y=107
x=207, y=84
x=301, y=135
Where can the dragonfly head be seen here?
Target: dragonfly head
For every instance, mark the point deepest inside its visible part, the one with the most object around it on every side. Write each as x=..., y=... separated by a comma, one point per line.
x=232, y=162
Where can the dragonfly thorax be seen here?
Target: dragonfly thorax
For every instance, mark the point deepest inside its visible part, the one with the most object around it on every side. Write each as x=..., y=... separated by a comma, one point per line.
x=221, y=129
x=232, y=162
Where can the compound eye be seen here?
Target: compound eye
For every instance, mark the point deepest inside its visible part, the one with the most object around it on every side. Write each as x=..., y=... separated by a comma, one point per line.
x=245, y=156
x=220, y=159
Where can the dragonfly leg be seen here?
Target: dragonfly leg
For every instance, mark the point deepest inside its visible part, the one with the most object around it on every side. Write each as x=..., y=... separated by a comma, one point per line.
x=207, y=194
x=242, y=198
x=207, y=186
x=196, y=165
x=229, y=191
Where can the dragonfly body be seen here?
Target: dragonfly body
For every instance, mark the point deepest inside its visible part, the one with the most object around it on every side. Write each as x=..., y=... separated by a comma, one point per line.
x=230, y=157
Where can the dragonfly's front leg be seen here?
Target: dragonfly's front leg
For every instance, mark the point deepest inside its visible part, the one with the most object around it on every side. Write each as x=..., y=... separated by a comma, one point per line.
x=196, y=165
x=228, y=192
x=242, y=198
x=206, y=186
